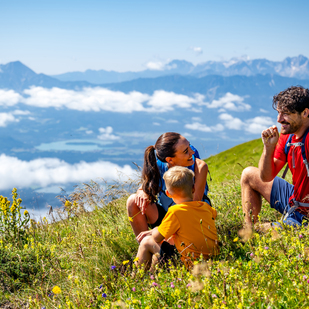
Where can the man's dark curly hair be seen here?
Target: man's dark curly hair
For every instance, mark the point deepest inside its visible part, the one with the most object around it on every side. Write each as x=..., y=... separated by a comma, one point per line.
x=294, y=99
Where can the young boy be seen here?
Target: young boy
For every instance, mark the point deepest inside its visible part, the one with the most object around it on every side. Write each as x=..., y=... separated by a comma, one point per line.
x=191, y=223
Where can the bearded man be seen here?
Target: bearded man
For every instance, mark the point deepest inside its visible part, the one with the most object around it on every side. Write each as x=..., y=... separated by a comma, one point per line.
x=291, y=146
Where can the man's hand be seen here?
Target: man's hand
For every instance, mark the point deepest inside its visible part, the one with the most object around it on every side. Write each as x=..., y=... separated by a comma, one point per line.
x=270, y=136
x=141, y=200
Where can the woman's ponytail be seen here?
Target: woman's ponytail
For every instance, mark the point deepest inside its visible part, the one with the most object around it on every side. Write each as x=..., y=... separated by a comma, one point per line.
x=150, y=174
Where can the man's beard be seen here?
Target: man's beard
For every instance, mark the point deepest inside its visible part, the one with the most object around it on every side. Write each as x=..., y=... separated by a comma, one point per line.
x=291, y=128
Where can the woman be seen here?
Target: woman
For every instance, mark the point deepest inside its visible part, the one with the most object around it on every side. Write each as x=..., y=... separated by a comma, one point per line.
x=171, y=149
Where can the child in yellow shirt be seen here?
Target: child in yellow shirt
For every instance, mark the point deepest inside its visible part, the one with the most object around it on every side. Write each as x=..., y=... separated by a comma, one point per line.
x=191, y=223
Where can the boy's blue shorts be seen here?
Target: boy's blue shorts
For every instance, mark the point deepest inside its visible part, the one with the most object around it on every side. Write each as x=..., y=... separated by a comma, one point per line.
x=279, y=200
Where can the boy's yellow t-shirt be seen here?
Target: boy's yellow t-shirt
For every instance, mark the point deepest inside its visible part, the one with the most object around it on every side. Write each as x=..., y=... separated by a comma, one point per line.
x=193, y=227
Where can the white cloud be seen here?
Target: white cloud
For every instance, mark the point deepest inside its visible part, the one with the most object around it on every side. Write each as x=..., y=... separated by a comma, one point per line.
x=172, y=121
x=264, y=111
x=101, y=99
x=231, y=102
x=6, y=118
x=51, y=171
x=162, y=101
x=258, y=124
x=202, y=127
x=197, y=50
x=89, y=132
x=88, y=99
x=9, y=97
x=106, y=134
x=231, y=122
x=254, y=125
x=156, y=66
x=156, y=123
x=20, y=112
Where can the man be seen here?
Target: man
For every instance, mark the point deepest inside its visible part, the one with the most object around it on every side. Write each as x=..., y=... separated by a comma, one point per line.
x=292, y=106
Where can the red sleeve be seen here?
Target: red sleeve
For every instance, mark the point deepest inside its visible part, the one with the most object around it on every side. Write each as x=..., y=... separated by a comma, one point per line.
x=279, y=150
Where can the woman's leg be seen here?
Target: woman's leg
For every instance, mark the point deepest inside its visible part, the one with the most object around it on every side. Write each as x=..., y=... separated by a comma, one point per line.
x=138, y=221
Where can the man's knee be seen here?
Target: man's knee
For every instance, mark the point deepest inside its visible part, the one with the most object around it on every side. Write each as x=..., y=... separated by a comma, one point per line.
x=248, y=174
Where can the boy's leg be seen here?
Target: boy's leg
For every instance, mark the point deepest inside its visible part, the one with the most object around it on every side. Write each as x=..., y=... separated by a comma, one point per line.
x=252, y=189
x=147, y=249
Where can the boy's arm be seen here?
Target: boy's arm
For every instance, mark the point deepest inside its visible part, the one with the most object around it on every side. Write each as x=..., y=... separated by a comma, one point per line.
x=141, y=235
x=157, y=236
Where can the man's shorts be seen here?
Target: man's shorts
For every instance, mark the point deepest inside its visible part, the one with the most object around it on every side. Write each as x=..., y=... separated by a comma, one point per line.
x=279, y=200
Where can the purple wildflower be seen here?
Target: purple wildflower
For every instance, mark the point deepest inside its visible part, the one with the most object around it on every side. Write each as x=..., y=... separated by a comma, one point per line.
x=252, y=254
x=179, y=279
x=152, y=277
x=101, y=286
x=266, y=248
x=154, y=284
x=214, y=296
x=188, y=285
x=113, y=267
x=172, y=285
x=300, y=236
x=104, y=295
x=179, y=306
x=308, y=281
x=133, y=289
x=304, y=277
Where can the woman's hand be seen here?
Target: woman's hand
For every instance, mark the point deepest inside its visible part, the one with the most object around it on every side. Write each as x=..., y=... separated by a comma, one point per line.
x=141, y=200
x=142, y=235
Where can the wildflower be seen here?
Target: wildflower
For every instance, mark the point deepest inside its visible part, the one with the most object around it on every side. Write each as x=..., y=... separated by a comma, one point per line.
x=308, y=281
x=125, y=262
x=113, y=267
x=136, y=259
x=172, y=285
x=266, y=248
x=179, y=306
x=154, y=284
x=56, y=290
x=152, y=277
x=67, y=203
x=51, y=294
x=188, y=285
x=133, y=289
x=104, y=295
x=130, y=219
x=26, y=213
x=235, y=239
x=214, y=296
x=101, y=286
x=252, y=254
x=179, y=279
x=300, y=236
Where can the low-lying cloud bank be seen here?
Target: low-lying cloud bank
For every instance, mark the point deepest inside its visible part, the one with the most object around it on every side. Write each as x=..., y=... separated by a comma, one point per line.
x=101, y=99
x=50, y=171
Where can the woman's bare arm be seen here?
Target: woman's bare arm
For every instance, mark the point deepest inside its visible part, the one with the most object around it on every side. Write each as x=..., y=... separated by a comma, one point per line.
x=200, y=171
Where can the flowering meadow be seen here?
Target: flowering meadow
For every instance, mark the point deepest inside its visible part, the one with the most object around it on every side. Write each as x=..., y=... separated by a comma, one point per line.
x=82, y=258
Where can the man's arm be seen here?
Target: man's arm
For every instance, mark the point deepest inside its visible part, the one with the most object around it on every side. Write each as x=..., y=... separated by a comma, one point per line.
x=268, y=165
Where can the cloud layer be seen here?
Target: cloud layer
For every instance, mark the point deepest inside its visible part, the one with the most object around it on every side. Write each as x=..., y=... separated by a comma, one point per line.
x=50, y=171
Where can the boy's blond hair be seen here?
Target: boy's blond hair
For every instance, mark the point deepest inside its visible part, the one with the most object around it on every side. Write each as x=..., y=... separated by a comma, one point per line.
x=180, y=179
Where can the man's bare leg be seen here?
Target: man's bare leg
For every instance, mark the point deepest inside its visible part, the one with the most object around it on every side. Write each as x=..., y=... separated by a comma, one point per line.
x=140, y=222
x=252, y=190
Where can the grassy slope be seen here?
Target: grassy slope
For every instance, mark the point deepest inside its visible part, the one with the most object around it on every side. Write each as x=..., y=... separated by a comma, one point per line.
x=76, y=254
x=230, y=163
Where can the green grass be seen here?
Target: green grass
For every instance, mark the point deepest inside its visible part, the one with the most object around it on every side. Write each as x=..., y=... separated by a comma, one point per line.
x=84, y=259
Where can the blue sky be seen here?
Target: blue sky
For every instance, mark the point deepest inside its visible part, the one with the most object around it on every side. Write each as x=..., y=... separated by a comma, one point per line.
x=54, y=37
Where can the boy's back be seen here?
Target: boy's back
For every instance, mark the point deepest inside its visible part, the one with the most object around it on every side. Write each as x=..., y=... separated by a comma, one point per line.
x=193, y=227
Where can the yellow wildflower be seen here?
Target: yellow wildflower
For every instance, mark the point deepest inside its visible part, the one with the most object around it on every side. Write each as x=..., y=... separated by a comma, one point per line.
x=56, y=290
x=125, y=262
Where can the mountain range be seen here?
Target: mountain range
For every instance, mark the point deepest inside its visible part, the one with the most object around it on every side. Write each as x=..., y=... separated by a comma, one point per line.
x=296, y=67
